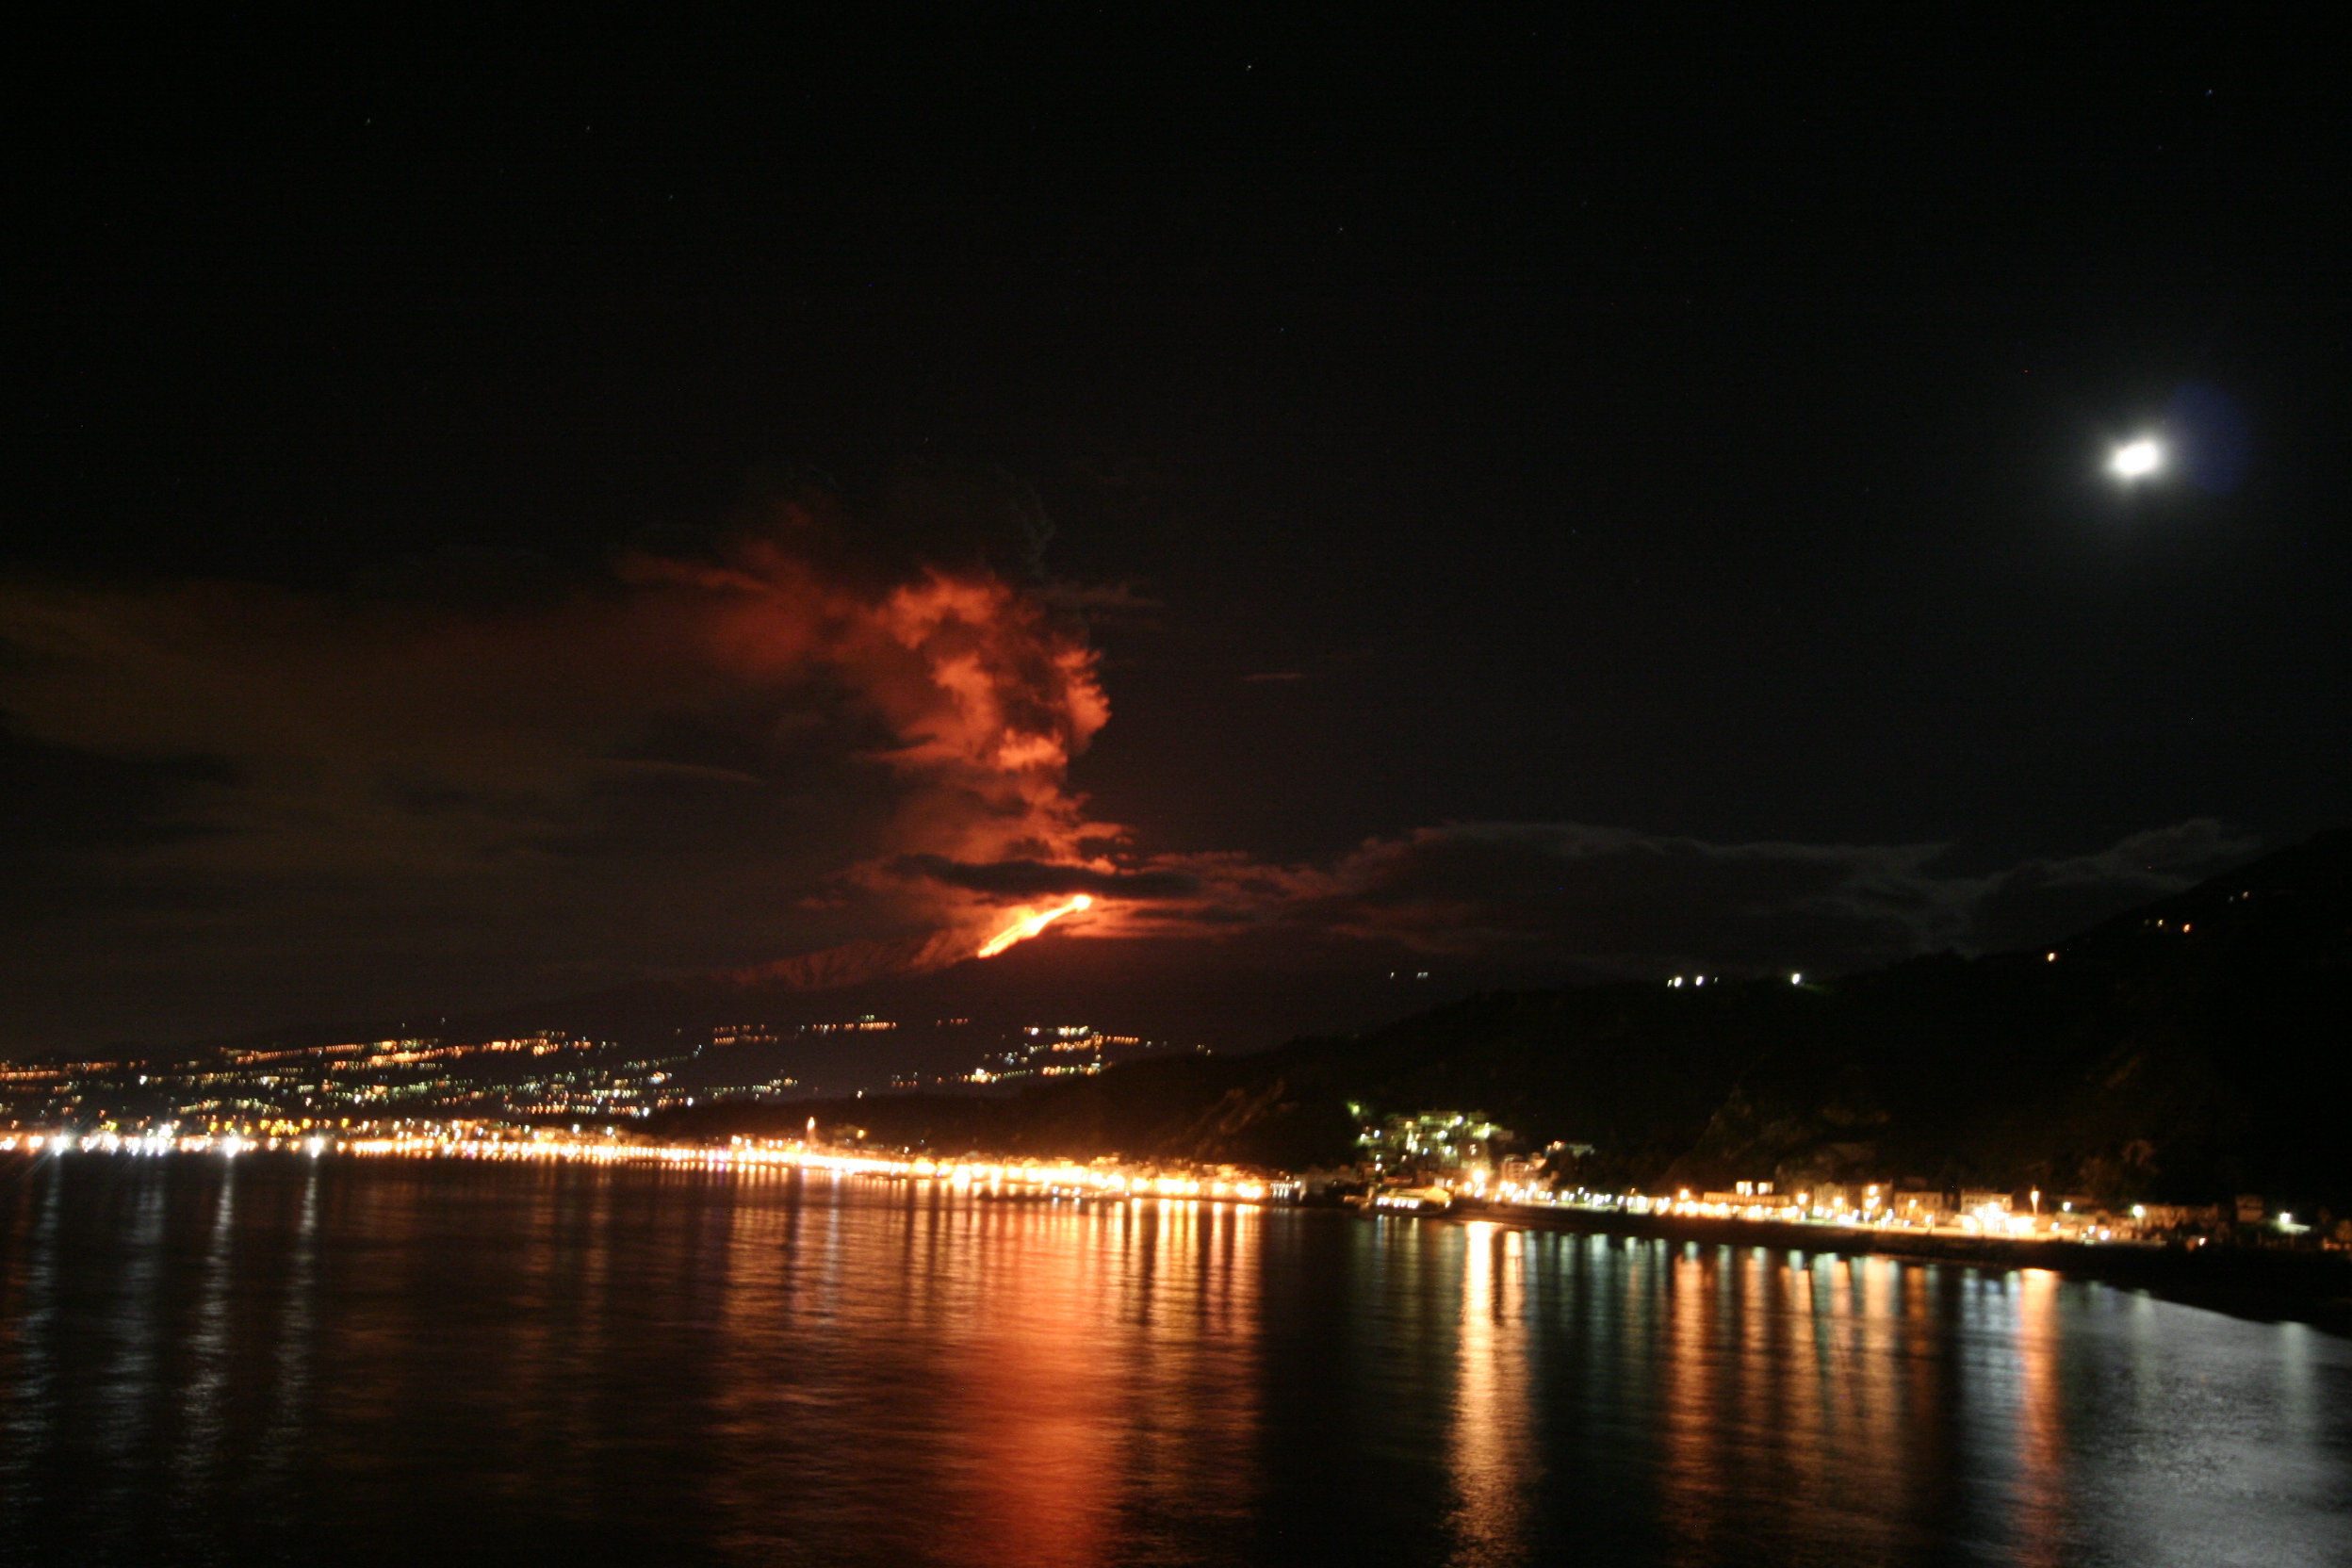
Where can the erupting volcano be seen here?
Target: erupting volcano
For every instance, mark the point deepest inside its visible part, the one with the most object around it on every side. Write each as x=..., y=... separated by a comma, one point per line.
x=1029, y=926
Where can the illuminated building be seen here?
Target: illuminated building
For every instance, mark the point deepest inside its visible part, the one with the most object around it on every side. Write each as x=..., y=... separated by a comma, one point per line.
x=1463, y=1145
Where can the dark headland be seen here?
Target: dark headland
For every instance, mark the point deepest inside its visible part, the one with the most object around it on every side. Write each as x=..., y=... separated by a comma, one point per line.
x=2188, y=1053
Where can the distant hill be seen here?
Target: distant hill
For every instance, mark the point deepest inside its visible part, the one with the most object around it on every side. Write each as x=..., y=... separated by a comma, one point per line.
x=2186, y=1051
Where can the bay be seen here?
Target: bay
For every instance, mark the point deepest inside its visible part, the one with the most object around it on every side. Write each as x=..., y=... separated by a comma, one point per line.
x=281, y=1358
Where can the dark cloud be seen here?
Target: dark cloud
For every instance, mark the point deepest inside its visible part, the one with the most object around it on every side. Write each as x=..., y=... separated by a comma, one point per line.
x=314, y=800
x=1593, y=901
x=55, y=798
x=1019, y=879
x=2040, y=901
x=228, y=805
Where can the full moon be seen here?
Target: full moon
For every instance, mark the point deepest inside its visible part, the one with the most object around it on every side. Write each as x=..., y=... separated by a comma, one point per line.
x=2137, y=459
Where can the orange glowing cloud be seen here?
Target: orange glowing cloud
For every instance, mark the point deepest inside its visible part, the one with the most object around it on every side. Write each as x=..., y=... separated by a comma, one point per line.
x=986, y=693
x=978, y=695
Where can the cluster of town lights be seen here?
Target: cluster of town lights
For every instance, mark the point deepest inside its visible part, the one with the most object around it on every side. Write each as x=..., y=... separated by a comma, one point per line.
x=1878, y=1208
x=166, y=1139
x=1056, y=1178
x=1875, y=1207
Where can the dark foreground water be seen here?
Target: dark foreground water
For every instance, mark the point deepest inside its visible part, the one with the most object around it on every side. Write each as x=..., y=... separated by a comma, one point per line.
x=272, y=1359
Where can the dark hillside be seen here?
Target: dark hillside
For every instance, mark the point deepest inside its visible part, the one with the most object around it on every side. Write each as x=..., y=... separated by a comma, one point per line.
x=2187, y=1050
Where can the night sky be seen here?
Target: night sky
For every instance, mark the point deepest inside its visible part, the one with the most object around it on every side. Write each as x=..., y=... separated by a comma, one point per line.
x=491, y=515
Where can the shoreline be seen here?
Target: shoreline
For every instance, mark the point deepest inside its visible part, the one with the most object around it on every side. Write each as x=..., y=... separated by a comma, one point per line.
x=2244, y=1281
x=2262, y=1283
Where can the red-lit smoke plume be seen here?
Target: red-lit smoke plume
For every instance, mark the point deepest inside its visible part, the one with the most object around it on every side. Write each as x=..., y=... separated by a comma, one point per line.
x=804, y=734
x=981, y=695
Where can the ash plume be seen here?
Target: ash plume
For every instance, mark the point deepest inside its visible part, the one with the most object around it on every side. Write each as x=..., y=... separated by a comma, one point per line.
x=736, y=746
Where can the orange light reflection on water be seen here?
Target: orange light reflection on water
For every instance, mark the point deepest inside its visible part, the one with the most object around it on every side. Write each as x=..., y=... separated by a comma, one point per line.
x=1789, y=1373
x=2039, y=1532
x=1493, y=1455
x=1054, y=1370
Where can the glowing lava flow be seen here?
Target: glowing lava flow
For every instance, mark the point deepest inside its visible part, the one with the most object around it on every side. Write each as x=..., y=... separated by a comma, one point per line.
x=1022, y=930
